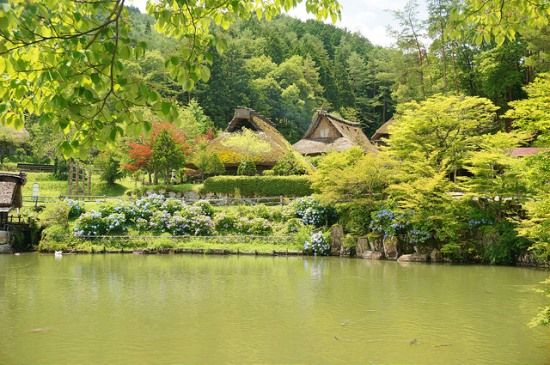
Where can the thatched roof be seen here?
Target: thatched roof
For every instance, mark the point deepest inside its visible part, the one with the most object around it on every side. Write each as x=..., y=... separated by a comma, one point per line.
x=382, y=132
x=328, y=133
x=10, y=190
x=264, y=128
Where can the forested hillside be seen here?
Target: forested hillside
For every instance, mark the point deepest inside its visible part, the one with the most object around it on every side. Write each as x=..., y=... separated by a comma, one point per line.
x=286, y=69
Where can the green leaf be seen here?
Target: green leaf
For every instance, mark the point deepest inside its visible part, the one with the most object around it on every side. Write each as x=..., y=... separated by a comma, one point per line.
x=165, y=107
x=205, y=73
x=66, y=149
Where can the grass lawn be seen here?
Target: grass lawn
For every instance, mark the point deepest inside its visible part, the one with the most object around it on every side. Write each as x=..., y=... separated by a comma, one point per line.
x=52, y=189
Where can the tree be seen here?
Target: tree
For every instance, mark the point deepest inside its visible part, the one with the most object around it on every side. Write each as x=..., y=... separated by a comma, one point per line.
x=501, y=19
x=64, y=61
x=409, y=40
x=166, y=155
x=355, y=183
x=532, y=114
x=441, y=129
x=109, y=163
x=289, y=164
x=10, y=139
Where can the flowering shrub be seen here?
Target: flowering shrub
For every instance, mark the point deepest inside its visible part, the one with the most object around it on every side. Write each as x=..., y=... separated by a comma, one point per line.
x=197, y=225
x=255, y=226
x=148, y=204
x=388, y=223
x=225, y=222
x=115, y=223
x=90, y=224
x=317, y=244
x=76, y=208
x=293, y=225
x=310, y=211
x=206, y=207
x=172, y=206
x=158, y=223
x=93, y=224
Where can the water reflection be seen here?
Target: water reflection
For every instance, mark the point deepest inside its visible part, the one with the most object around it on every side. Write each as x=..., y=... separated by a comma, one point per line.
x=120, y=309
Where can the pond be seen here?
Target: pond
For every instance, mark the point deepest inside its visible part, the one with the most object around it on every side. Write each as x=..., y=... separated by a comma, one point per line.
x=195, y=309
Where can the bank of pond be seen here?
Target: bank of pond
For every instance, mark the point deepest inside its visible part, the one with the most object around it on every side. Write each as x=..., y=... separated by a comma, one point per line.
x=158, y=224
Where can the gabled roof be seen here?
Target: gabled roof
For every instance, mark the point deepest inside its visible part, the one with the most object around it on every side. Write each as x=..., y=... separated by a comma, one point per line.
x=382, y=132
x=264, y=128
x=10, y=190
x=347, y=135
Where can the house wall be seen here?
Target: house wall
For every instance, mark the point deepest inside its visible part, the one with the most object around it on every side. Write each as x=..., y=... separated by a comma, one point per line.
x=332, y=132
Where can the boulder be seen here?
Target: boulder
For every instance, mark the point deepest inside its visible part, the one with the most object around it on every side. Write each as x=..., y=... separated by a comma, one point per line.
x=373, y=255
x=362, y=246
x=390, y=248
x=336, y=240
x=4, y=237
x=436, y=256
x=415, y=257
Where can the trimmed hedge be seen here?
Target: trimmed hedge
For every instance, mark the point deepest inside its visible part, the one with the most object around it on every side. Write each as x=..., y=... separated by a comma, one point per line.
x=259, y=185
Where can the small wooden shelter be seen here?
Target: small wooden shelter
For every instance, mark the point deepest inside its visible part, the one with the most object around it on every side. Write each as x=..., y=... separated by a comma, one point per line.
x=328, y=133
x=10, y=193
x=264, y=128
x=382, y=134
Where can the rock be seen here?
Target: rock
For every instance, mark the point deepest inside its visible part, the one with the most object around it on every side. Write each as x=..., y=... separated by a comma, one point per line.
x=415, y=257
x=390, y=248
x=336, y=238
x=362, y=246
x=191, y=195
x=436, y=256
x=5, y=248
x=373, y=255
x=4, y=237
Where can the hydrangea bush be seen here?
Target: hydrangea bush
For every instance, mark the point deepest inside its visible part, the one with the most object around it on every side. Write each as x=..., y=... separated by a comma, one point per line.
x=255, y=226
x=310, y=211
x=387, y=223
x=76, y=208
x=155, y=214
x=94, y=224
x=317, y=245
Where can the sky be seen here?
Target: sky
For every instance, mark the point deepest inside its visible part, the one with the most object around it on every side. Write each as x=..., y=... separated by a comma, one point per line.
x=368, y=17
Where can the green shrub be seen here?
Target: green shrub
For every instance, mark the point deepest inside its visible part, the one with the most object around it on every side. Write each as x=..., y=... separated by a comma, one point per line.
x=289, y=165
x=8, y=166
x=76, y=208
x=507, y=247
x=56, y=214
x=317, y=244
x=259, y=185
x=247, y=167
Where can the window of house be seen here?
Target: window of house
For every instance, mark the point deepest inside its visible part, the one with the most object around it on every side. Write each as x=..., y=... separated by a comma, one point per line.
x=324, y=133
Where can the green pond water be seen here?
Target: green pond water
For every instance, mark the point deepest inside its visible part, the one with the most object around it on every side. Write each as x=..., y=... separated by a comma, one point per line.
x=187, y=309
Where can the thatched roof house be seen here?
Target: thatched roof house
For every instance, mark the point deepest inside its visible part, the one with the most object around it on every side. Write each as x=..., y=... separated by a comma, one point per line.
x=247, y=118
x=382, y=133
x=10, y=192
x=328, y=133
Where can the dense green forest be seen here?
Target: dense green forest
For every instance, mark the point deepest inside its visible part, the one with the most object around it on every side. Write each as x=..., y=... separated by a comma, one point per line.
x=286, y=69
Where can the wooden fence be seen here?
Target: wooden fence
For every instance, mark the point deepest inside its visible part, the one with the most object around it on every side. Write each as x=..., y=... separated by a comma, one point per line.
x=35, y=167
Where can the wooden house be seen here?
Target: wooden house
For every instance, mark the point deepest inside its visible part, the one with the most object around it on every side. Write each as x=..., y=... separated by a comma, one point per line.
x=328, y=133
x=247, y=118
x=10, y=193
x=382, y=134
